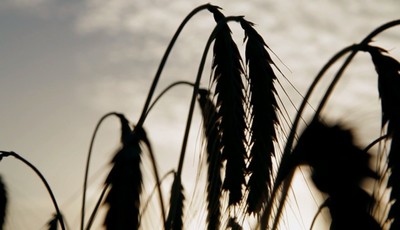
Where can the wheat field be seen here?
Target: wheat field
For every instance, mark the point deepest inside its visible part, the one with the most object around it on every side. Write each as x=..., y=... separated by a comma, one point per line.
x=254, y=142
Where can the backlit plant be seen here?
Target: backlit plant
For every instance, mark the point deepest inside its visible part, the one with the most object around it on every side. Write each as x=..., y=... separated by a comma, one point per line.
x=249, y=168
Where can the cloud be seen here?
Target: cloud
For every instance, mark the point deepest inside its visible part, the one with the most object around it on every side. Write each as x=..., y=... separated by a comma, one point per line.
x=110, y=16
x=24, y=3
x=110, y=93
x=130, y=16
x=44, y=9
x=38, y=8
x=103, y=15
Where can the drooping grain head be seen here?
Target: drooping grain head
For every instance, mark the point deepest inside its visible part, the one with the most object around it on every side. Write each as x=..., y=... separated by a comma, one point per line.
x=227, y=76
x=214, y=160
x=263, y=118
x=338, y=167
x=388, y=70
x=176, y=215
x=125, y=180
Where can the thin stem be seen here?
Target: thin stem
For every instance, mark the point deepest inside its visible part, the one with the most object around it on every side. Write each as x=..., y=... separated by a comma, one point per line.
x=304, y=103
x=379, y=139
x=147, y=202
x=316, y=214
x=285, y=191
x=165, y=91
x=88, y=164
x=157, y=178
x=165, y=57
x=292, y=133
x=96, y=208
x=152, y=157
x=38, y=173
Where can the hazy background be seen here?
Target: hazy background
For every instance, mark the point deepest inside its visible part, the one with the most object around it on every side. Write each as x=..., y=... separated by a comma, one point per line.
x=63, y=64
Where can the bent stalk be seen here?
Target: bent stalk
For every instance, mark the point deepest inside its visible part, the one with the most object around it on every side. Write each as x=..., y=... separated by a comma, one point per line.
x=165, y=91
x=193, y=100
x=155, y=171
x=38, y=173
x=289, y=144
x=88, y=164
x=268, y=210
x=165, y=57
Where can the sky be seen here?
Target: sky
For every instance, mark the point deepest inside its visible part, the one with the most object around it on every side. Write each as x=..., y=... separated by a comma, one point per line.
x=64, y=64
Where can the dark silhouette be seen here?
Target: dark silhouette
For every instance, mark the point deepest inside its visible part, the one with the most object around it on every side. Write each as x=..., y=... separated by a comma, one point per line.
x=242, y=117
x=338, y=168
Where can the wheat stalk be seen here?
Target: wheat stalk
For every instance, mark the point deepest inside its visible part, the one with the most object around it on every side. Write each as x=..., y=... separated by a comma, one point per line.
x=85, y=180
x=125, y=180
x=214, y=147
x=42, y=178
x=264, y=118
x=165, y=58
x=227, y=75
x=175, y=215
x=211, y=38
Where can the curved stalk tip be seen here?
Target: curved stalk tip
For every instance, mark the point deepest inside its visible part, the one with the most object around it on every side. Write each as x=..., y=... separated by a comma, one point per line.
x=155, y=171
x=194, y=95
x=165, y=57
x=93, y=215
x=165, y=91
x=88, y=164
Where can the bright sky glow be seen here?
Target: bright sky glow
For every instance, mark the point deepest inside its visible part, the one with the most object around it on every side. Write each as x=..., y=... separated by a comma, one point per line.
x=64, y=64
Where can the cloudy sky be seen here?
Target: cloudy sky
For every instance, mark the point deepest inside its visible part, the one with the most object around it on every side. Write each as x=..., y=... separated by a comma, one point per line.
x=63, y=64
